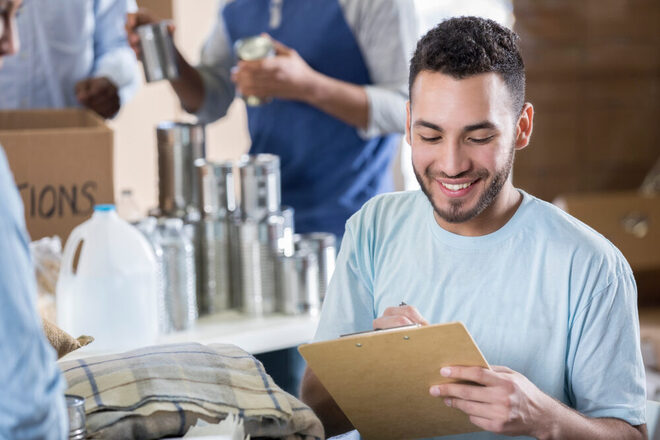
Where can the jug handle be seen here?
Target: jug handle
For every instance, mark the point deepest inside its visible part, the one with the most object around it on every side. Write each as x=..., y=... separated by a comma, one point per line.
x=72, y=243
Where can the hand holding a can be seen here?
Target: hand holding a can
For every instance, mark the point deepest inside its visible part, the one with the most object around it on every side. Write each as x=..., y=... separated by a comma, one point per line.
x=135, y=20
x=285, y=75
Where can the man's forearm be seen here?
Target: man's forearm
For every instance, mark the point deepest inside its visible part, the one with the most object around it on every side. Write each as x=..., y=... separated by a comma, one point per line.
x=189, y=87
x=567, y=424
x=345, y=101
x=314, y=394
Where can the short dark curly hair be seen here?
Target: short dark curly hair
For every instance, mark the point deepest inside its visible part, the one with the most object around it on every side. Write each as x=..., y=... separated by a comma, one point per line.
x=466, y=46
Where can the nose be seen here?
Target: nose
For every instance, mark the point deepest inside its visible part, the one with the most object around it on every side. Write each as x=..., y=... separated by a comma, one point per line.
x=454, y=159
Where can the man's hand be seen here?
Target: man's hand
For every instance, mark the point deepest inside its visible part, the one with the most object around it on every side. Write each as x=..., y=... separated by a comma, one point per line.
x=285, y=76
x=500, y=400
x=399, y=316
x=137, y=19
x=100, y=95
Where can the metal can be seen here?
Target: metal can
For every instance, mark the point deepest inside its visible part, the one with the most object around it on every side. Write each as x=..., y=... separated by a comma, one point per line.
x=179, y=145
x=251, y=49
x=75, y=406
x=298, y=284
x=159, y=57
x=260, y=185
x=323, y=244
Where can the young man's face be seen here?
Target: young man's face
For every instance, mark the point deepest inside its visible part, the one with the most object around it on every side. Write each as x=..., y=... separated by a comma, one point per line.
x=8, y=31
x=463, y=134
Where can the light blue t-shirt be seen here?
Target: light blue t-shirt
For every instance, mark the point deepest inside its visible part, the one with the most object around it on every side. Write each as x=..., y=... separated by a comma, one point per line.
x=63, y=42
x=32, y=388
x=544, y=295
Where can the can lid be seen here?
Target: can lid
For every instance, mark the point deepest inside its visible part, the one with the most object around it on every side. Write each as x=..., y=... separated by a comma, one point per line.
x=254, y=48
x=104, y=208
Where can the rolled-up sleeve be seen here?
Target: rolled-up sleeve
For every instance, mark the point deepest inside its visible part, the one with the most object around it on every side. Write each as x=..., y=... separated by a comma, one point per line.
x=215, y=66
x=113, y=57
x=32, y=404
x=386, y=32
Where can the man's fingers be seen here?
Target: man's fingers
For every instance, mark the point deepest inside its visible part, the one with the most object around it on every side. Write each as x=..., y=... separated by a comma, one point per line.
x=408, y=311
x=478, y=375
x=501, y=369
x=280, y=49
x=391, y=321
x=475, y=393
x=483, y=423
x=471, y=408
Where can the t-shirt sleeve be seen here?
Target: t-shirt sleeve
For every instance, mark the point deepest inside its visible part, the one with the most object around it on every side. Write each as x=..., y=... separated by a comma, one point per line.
x=215, y=66
x=386, y=32
x=348, y=305
x=605, y=373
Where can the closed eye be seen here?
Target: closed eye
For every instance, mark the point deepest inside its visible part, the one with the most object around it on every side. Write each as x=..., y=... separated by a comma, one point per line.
x=481, y=140
x=430, y=139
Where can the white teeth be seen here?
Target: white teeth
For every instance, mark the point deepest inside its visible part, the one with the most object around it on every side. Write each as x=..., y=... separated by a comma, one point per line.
x=456, y=187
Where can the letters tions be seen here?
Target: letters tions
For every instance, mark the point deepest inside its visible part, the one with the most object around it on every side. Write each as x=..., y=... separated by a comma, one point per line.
x=58, y=200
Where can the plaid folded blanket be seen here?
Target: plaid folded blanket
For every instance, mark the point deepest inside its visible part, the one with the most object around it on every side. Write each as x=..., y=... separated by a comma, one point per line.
x=163, y=390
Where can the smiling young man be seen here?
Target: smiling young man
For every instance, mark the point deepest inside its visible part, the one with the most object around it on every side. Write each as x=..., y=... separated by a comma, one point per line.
x=539, y=291
x=31, y=386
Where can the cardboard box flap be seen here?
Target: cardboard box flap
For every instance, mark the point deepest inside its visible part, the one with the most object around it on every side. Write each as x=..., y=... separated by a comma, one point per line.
x=50, y=119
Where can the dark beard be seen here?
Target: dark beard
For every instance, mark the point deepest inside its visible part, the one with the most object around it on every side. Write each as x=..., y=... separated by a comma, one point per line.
x=454, y=214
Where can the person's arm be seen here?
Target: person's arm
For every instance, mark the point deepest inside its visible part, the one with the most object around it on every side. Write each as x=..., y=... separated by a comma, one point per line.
x=115, y=77
x=385, y=31
x=604, y=373
x=32, y=404
x=348, y=307
x=506, y=402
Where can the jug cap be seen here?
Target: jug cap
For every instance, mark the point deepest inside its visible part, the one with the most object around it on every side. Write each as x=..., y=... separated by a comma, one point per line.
x=104, y=208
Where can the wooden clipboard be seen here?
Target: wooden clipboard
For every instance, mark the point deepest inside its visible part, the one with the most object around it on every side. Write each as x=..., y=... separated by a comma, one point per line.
x=381, y=380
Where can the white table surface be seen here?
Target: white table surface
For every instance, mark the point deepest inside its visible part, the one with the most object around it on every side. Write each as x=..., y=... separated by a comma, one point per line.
x=254, y=335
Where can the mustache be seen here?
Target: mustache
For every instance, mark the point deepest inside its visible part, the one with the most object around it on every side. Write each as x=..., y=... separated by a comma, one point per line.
x=472, y=175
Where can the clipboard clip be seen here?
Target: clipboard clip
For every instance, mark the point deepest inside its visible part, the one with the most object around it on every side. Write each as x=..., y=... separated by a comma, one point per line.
x=381, y=330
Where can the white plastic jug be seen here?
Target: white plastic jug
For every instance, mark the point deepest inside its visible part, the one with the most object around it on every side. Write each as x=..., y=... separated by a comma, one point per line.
x=112, y=293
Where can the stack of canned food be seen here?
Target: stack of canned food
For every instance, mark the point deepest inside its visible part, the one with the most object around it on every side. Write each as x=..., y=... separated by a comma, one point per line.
x=215, y=254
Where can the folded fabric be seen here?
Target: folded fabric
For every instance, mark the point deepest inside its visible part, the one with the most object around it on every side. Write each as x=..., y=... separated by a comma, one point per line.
x=161, y=391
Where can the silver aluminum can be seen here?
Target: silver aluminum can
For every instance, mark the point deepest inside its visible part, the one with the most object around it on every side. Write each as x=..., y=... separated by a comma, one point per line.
x=215, y=295
x=324, y=245
x=288, y=247
x=251, y=49
x=179, y=145
x=260, y=185
x=298, y=284
x=217, y=195
x=252, y=300
x=159, y=58
x=75, y=406
x=236, y=288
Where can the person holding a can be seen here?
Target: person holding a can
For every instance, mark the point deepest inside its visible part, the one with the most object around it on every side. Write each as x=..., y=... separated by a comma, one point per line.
x=74, y=54
x=31, y=386
x=329, y=82
x=325, y=87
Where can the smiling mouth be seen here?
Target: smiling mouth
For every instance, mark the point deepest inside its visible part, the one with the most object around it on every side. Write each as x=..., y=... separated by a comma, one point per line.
x=456, y=187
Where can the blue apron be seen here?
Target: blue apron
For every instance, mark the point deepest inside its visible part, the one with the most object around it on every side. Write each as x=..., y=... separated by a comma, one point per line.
x=328, y=171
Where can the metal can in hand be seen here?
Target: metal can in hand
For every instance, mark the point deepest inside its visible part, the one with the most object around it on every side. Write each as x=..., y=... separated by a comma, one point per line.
x=251, y=49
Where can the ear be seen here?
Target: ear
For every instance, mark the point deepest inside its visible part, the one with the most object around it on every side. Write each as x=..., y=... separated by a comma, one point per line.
x=408, y=134
x=524, y=126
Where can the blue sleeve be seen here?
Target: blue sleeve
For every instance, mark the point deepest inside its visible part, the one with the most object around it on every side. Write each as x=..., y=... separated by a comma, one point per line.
x=32, y=398
x=113, y=57
x=605, y=373
x=349, y=303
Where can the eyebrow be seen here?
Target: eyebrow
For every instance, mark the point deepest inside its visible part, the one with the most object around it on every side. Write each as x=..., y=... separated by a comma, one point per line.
x=472, y=127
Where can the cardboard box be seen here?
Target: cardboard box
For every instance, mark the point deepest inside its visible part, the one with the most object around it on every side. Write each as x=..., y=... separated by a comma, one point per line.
x=631, y=221
x=62, y=161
